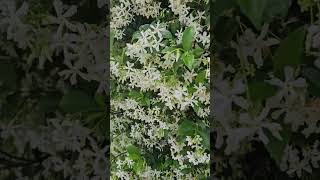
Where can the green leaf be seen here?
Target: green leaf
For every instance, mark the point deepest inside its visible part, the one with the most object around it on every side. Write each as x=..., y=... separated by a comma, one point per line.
x=223, y=23
x=204, y=132
x=253, y=9
x=188, y=60
x=314, y=90
x=196, y=107
x=220, y=6
x=100, y=100
x=275, y=146
x=136, y=35
x=92, y=118
x=77, y=101
x=186, y=170
x=146, y=102
x=191, y=90
x=111, y=39
x=8, y=75
x=134, y=152
x=186, y=128
x=187, y=38
x=276, y=8
x=313, y=75
x=290, y=51
x=168, y=49
x=174, y=26
x=260, y=91
x=167, y=34
x=197, y=52
x=135, y=94
x=144, y=27
x=140, y=97
x=306, y=5
x=172, y=80
x=138, y=166
x=201, y=77
x=48, y=103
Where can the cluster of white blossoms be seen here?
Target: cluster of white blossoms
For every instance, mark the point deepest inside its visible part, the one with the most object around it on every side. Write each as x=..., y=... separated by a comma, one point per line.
x=121, y=17
x=195, y=155
x=295, y=162
x=160, y=90
x=123, y=13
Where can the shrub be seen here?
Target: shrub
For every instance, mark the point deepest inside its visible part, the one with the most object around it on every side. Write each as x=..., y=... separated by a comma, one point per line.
x=160, y=89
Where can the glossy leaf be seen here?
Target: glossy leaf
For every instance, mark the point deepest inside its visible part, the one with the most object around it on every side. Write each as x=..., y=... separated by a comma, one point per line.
x=220, y=6
x=134, y=152
x=276, y=147
x=77, y=101
x=167, y=34
x=276, y=9
x=188, y=60
x=201, y=77
x=186, y=128
x=260, y=91
x=290, y=52
x=187, y=38
x=253, y=9
x=8, y=75
x=197, y=52
x=49, y=103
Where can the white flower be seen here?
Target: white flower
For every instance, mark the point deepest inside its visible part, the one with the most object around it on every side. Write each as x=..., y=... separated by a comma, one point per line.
x=157, y=29
x=179, y=34
x=290, y=85
x=189, y=75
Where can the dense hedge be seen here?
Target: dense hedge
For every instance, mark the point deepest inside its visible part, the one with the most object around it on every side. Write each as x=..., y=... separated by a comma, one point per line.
x=160, y=89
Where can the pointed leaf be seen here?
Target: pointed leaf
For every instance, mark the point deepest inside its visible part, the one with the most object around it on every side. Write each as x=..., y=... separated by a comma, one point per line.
x=253, y=9
x=134, y=152
x=197, y=52
x=201, y=77
x=275, y=146
x=276, y=8
x=187, y=38
x=77, y=101
x=186, y=128
x=188, y=60
x=290, y=51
